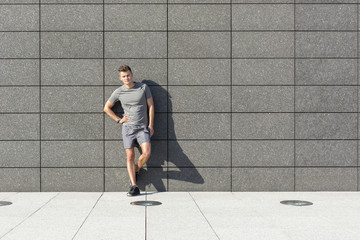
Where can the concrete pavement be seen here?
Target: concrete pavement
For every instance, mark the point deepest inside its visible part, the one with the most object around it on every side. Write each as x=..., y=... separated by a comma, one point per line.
x=182, y=215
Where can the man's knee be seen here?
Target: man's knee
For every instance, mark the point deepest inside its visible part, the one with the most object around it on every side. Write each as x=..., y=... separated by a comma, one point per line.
x=146, y=153
x=130, y=155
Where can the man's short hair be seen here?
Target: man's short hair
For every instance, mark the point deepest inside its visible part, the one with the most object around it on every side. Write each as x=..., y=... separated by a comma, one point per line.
x=124, y=68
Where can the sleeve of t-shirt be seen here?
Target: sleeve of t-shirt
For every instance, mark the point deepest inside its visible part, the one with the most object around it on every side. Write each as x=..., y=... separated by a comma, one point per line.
x=147, y=92
x=114, y=97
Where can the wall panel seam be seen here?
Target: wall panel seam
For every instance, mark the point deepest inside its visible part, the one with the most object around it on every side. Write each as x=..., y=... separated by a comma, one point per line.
x=40, y=94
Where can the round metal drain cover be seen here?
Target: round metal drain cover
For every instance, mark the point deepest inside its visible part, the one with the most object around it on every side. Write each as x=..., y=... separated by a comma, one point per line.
x=296, y=203
x=146, y=203
x=4, y=203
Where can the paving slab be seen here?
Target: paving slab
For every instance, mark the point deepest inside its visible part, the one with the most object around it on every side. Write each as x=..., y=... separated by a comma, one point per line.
x=261, y=216
x=232, y=218
x=178, y=217
x=60, y=218
x=114, y=218
x=22, y=207
x=5, y=195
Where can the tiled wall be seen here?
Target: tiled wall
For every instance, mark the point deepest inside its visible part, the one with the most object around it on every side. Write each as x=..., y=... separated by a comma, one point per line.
x=250, y=95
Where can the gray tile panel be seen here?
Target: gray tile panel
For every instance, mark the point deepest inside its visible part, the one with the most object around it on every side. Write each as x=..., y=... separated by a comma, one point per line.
x=325, y=99
x=199, y=179
x=161, y=126
x=326, y=71
x=71, y=72
x=108, y=91
x=149, y=17
x=326, y=179
x=19, y=45
x=199, y=44
x=262, y=153
x=20, y=153
x=19, y=1
x=263, y=179
x=263, y=17
x=199, y=126
x=19, y=72
x=262, y=44
x=112, y=129
x=72, y=179
x=326, y=17
x=263, y=125
x=262, y=1
x=203, y=72
x=326, y=44
x=19, y=99
x=71, y=126
x=135, y=1
x=115, y=155
x=71, y=45
x=326, y=125
x=19, y=126
x=71, y=1
x=72, y=154
x=135, y=45
x=199, y=99
x=116, y=180
x=160, y=98
x=72, y=99
x=19, y=18
x=262, y=99
x=154, y=71
x=20, y=179
x=326, y=153
x=262, y=72
x=325, y=1
x=199, y=1
x=72, y=17
x=199, y=153
x=199, y=17
x=153, y=180
x=159, y=154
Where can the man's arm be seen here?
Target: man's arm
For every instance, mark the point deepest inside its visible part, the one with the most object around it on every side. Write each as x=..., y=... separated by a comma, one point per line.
x=110, y=112
x=150, y=103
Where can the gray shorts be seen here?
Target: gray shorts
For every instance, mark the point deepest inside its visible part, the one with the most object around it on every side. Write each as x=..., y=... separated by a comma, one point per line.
x=134, y=136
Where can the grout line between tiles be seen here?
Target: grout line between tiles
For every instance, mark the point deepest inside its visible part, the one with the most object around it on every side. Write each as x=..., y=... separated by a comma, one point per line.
x=40, y=172
x=88, y=215
x=204, y=216
x=294, y=96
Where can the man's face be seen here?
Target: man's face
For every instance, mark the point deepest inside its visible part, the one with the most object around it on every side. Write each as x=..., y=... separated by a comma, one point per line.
x=126, y=77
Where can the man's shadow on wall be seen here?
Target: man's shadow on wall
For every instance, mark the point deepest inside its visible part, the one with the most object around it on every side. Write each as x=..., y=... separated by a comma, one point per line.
x=179, y=167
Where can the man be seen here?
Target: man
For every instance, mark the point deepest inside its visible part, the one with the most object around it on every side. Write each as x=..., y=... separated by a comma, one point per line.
x=137, y=125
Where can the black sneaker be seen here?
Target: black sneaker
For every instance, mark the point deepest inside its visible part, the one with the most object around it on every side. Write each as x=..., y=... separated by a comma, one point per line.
x=134, y=190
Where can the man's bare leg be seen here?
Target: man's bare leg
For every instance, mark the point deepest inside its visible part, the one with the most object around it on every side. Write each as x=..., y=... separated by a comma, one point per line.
x=146, y=152
x=130, y=162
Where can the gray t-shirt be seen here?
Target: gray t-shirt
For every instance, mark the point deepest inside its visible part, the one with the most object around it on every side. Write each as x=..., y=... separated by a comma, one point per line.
x=133, y=101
